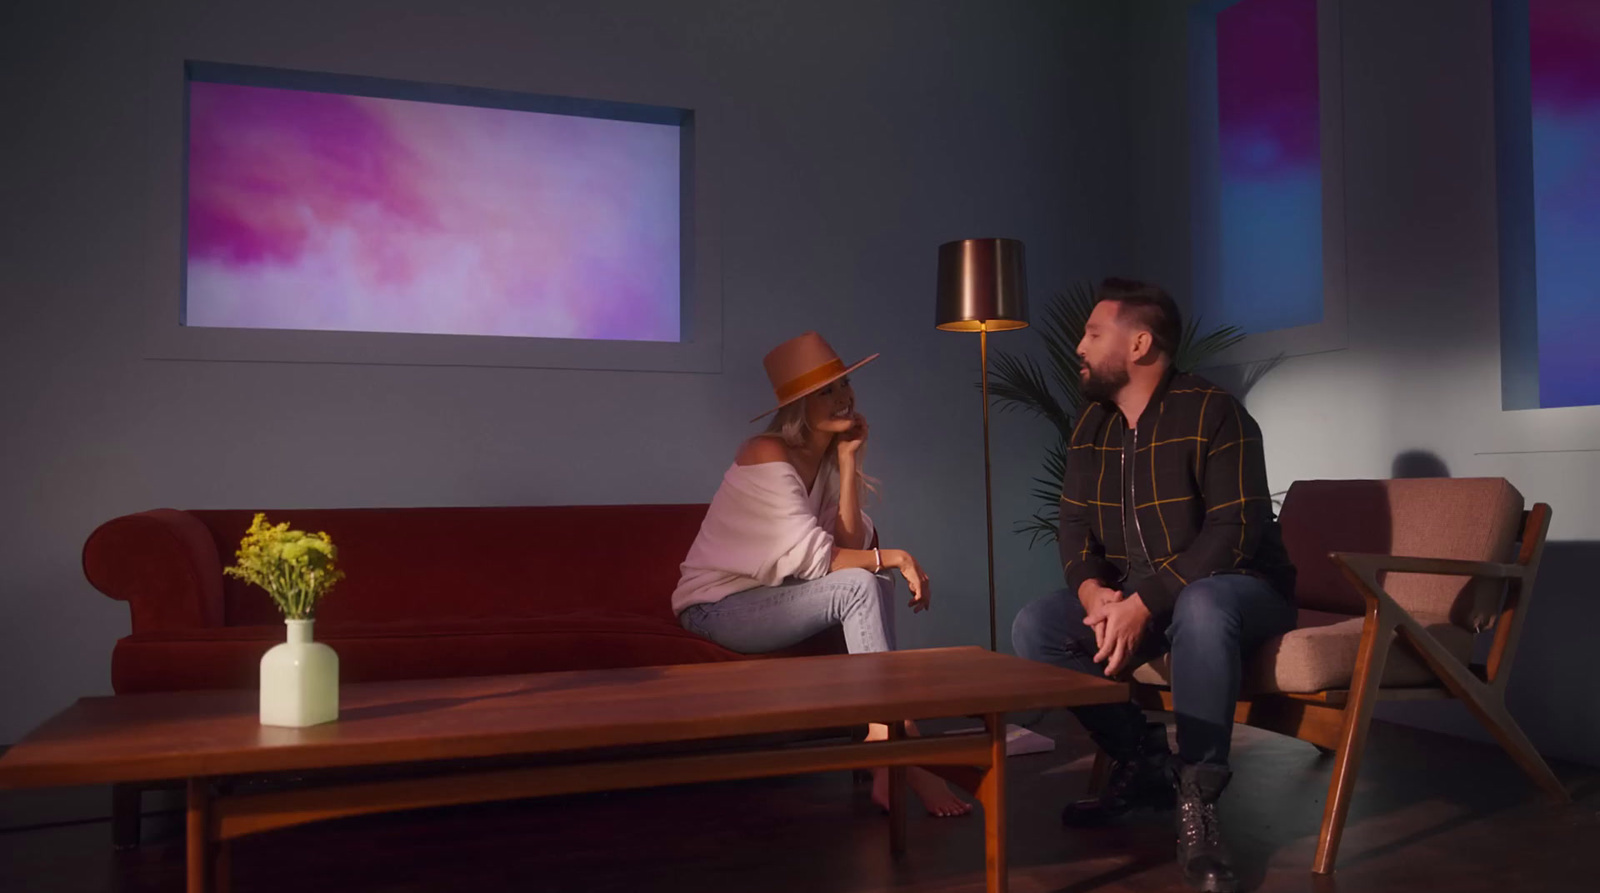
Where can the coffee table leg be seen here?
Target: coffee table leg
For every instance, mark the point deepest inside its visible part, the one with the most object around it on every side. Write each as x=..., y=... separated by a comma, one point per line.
x=992, y=796
x=897, y=797
x=199, y=837
x=221, y=870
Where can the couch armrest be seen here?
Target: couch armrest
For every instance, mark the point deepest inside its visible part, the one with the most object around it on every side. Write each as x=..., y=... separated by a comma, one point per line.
x=163, y=563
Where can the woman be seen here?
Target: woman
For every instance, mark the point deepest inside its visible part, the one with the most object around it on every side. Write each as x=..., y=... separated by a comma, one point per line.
x=785, y=550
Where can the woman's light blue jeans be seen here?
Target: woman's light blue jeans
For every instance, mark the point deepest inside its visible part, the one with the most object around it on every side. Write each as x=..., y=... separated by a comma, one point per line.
x=770, y=618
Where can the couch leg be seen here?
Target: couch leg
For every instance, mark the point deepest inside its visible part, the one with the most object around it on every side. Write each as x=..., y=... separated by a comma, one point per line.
x=126, y=808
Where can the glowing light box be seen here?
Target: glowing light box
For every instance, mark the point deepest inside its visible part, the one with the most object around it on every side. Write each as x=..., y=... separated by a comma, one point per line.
x=1547, y=98
x=1266, y=173
x=1564, y=57
x=319, y=202
x=1270, y=170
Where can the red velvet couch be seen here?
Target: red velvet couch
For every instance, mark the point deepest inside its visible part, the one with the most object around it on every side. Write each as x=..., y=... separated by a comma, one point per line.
x=428, y=592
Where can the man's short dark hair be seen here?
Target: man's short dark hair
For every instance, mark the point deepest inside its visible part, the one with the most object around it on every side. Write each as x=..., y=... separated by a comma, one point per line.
x=1149, y=307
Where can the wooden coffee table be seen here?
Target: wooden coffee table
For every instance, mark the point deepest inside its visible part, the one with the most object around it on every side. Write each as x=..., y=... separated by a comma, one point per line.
x=444, y=736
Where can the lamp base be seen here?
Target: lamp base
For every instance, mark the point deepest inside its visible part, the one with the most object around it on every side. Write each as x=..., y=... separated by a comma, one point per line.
x=1019, y=741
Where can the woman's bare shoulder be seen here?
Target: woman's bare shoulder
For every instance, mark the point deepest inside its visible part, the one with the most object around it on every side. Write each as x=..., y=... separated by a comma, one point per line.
x=760, y=449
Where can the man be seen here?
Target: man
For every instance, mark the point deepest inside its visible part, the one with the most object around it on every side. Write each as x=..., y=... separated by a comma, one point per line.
x=1169, y=544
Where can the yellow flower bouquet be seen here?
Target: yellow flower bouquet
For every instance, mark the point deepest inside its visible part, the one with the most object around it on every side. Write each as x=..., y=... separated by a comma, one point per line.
x=296, y=568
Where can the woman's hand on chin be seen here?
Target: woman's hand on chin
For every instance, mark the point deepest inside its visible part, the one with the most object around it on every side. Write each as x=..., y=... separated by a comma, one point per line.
x=850, y=442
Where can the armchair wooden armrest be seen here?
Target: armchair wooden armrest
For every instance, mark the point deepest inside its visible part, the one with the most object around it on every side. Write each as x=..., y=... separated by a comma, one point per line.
x=1371, y=563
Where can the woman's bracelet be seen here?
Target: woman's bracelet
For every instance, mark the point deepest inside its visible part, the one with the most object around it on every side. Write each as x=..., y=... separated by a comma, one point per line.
x=877, y=557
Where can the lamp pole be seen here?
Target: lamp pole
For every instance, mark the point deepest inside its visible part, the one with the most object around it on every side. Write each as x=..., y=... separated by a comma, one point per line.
x=983, y=287
x=988, y=504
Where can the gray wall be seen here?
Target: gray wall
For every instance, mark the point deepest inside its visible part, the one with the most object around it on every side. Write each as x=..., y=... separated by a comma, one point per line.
x=857, y=137
x=1421, y=371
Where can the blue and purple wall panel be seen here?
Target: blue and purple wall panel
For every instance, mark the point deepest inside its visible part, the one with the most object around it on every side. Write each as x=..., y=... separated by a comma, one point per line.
x=1257, y=171
x=1564, y=66
x=1270, y=163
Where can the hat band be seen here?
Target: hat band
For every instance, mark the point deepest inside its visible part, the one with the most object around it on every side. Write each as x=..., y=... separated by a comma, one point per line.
x=798, y=385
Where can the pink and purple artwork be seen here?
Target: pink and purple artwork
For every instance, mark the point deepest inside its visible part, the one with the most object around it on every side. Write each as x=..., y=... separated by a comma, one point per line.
x=1270, y=173
x=1564, y=52
x=324, y=211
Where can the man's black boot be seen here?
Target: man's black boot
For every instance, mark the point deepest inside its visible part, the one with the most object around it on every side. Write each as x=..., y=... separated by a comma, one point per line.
x=1202, y=856
x=1140, y=778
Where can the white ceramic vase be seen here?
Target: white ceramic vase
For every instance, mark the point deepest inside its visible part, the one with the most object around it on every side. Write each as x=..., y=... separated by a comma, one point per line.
x=299, y=680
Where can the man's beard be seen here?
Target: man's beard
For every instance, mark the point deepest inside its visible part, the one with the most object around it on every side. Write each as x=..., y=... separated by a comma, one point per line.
x=1101, y=385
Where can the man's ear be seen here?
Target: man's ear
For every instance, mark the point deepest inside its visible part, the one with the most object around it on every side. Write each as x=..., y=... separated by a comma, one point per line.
x=1141, y=346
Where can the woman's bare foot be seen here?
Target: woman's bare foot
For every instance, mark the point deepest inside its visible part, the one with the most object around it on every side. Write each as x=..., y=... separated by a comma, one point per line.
x=935, y=795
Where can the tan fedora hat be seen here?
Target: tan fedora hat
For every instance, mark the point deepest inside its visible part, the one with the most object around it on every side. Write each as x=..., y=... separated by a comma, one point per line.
x=803, y=365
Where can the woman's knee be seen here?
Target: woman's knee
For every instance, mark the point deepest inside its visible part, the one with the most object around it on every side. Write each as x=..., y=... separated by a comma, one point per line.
x=855, y=579
x=857, y=589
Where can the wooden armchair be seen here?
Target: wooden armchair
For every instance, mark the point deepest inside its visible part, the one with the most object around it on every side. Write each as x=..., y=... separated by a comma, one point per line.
x=1360, y=590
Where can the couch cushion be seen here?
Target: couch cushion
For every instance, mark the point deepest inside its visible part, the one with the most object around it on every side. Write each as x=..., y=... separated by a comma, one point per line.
x=230, y=657
x=1320, y=654
x=1476, y=519
x=446, y=564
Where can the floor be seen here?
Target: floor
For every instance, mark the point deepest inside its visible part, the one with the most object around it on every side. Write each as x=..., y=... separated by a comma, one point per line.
x=1432, y=812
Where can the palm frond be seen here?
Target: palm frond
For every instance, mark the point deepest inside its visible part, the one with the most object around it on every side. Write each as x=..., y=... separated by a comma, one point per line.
x=1048, y=486
x=1042, y=527
x=1194, y=349
x=1017, y=382
x=1055, y=470
x=1061, y=330
x=1254, y=372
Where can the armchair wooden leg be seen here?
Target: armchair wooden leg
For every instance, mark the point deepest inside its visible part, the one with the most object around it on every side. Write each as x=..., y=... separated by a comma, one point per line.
x=1487, y=705
x=1370, y=658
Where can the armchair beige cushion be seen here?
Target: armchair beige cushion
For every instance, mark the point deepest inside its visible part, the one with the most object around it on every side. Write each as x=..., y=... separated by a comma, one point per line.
x=1321, y=655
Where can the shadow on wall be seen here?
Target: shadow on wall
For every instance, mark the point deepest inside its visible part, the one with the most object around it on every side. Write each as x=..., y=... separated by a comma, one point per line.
x=1555, y=682
x=1418, y=464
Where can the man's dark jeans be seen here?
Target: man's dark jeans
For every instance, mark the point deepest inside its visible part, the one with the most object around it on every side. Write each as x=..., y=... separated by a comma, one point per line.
x=1216, y=622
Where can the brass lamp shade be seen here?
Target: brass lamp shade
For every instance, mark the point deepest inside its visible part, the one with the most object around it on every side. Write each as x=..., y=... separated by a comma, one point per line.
x=983, y=286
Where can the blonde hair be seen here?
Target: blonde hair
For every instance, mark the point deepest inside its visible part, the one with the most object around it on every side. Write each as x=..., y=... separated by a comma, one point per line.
x=789, y=424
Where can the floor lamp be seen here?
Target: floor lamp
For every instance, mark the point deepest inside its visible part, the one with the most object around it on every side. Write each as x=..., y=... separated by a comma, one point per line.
x=983, y=288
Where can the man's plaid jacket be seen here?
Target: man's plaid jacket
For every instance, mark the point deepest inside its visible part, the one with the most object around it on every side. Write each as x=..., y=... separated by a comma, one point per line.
x=1201, y=501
